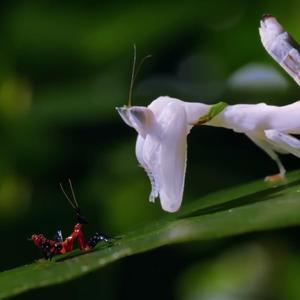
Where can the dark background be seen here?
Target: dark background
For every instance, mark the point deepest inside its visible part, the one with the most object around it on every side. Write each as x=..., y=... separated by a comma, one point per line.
x=65, y=66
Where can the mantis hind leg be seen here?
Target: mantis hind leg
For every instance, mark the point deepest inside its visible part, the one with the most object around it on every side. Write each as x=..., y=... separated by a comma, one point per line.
x=285, y=141
x=268, y=148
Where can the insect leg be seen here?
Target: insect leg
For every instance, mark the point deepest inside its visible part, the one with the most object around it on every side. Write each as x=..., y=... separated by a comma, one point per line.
x=67, y=244
x=285, y=141
x=82, y=242
x=265, y=145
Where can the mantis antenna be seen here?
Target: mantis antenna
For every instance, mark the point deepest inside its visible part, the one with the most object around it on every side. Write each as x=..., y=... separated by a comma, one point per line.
x=73, y=202
x=73, y=194
x=134, y=73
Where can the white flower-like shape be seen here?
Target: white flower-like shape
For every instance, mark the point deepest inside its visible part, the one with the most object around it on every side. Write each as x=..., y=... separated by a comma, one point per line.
x=161, y=145
x=163, y=126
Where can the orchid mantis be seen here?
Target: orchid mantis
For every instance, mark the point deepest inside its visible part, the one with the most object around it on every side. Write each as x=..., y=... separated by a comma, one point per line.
x=163, y=126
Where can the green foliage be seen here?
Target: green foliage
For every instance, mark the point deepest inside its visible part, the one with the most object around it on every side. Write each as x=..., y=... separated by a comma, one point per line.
x=249, y=208
x=64, y=66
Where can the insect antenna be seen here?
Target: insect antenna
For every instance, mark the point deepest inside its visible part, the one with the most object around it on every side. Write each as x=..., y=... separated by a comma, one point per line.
x=73, y=202
x=134, y=73
x=73, y=194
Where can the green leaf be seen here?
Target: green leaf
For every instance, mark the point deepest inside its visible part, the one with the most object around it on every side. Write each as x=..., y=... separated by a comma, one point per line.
x=251, y=207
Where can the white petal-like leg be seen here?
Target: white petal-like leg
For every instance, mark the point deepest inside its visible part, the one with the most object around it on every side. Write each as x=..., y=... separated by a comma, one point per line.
x=151, y=158
x=264, y=145
x=172, y=162
x=285, y=141
x=139, y=151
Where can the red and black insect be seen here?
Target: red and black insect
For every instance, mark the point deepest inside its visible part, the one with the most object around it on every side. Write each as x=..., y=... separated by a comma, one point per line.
x=58, y=245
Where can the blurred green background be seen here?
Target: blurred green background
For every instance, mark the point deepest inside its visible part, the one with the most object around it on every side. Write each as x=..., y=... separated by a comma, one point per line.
x=65, y=66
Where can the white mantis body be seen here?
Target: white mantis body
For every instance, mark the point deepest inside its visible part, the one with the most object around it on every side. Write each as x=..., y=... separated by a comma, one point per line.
x=164, y=125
